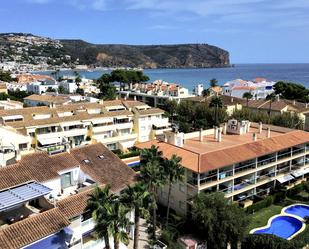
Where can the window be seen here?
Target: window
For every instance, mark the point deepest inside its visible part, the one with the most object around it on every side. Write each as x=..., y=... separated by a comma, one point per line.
x=143, y=128
x=112, y=146
x=66, y=180
x=149, y=117
x=22, y=147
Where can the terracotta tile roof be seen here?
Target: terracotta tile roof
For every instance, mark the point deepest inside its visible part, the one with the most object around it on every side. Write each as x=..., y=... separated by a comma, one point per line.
x=203, y=162
x=190, y=159
x=226, y=100
x=235, y=154
x=32, y=229
x=3, y=86
x=132, y=103
x=149, y=111
x=279, y=105
x=111, y=170
x=74, y=205
x=48, y=98
x=38, y=167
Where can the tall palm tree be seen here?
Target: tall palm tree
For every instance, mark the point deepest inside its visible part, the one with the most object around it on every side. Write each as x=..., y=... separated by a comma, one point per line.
x=117, y=222
x=247, y=96
x=152, y=175
x=271, y=98
x=213, y=82
x=216, y=102
x=136, y=197
x=96, y=204
x=175, y=173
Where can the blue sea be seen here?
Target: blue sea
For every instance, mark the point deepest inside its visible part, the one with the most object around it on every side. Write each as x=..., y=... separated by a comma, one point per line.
x=298, y=73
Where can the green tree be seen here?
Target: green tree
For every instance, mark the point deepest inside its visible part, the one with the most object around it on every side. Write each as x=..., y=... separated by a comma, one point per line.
x=216, y=102
x=50, y=89
x=107, y=89
x=170, y=106
x=78, y=80
x=290, y=90
x=217, y=221
x=96, y=204
x=152, y=175
x=136, y=197
x=117, y=221
x=247, y=96
x=271, y=98
x=205, y=92
x=175, y=174
x=5, y=76
x=213, y=82
x=259, y=241
x=61, y=90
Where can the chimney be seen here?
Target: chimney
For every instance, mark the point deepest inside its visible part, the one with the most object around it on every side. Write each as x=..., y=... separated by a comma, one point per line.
x=134, y=98
x=125, y=97
x=225, y=129
x=278, y=97
x=117, y=97
x=307, y=105
x=268, y=132
x=17, y=155
x=294, y=102
x=219, y=139
x=201, y=135
x=254, y=137
x=232, y=100
x=260, y=127
x=215, y=133
x=248, y=126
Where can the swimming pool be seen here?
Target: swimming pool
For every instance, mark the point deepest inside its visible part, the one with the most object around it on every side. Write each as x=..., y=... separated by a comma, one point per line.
x=300, y=210
x=283, y=226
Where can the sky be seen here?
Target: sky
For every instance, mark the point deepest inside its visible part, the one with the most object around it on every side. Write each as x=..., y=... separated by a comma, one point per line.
x=253, y=31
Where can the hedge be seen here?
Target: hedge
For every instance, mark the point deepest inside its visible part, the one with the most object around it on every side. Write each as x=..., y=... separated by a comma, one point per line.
x=269, y=200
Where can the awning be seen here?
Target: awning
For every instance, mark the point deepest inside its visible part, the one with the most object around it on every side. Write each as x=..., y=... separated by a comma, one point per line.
x=53, y=140
x=14, y=196
x=102, y=120
x=162, y=125
x=285, y=178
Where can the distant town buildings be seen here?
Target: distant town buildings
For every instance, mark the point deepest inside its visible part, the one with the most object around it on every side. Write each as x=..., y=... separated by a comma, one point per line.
x=259, y=88
x=155, y=94
x=198, y=90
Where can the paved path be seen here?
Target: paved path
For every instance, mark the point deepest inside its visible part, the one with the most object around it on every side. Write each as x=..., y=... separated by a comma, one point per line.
x=143, y=237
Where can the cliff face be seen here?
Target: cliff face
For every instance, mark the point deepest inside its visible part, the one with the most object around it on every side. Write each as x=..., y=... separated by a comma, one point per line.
x=152, y=56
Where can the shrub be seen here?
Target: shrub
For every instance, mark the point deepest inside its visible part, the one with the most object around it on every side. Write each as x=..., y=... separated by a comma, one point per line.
x=259, y=241
x=269, y=200
x=295, y=190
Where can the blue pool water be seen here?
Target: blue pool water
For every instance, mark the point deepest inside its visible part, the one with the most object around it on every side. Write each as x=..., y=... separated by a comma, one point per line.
x=282, y=226
x=299, y=210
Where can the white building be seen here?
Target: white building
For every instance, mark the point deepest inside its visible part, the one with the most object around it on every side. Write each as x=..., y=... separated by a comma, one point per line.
x=198, y=90
x=40, y=87
x=259, y=88
x=10, y=104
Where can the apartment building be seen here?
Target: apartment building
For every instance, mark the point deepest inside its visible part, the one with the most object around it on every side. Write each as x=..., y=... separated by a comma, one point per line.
x=43, y=198
x=240, y=159
x=117, y=124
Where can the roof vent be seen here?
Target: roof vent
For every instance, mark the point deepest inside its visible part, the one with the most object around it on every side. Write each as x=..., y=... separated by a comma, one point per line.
x=87, y=161
x=101, y=157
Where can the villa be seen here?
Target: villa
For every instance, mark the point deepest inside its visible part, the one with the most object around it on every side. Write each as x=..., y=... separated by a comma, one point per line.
x=43, y=197
x=240, y=159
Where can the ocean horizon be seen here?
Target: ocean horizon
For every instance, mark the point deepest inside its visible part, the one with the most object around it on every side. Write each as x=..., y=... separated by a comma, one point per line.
x=189, y=77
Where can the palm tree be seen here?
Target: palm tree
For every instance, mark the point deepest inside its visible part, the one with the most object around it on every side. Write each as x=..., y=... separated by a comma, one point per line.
x=136, y=198
x=96, y=204
x=271, y=98
x=247, y=96
x=175, y=172
x=117, y=222
x=213, y=82
x=152, y=175
x=217, y=103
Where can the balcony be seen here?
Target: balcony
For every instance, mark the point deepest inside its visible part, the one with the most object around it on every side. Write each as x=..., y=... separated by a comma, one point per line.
x=75, y=132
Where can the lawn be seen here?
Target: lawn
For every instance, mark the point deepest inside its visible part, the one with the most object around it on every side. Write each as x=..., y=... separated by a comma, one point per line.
x=260, y=218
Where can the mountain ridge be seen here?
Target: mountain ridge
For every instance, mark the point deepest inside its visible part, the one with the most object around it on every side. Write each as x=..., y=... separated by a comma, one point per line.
x=33, y=48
